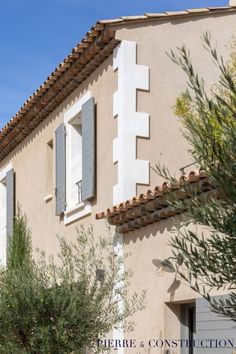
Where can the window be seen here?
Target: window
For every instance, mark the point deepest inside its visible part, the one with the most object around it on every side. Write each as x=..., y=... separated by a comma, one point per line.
x=7, y=209
x=3, y=221
x=75, y=160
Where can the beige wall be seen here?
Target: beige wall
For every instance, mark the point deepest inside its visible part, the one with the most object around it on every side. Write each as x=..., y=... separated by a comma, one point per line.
x=161, y=319
x=167, y=81
x=30, y=161
x=161, y=316
x=166, y=145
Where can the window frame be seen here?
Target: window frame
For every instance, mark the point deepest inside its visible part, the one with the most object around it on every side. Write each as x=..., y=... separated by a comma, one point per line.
x=3, y=229
x=77, y=211
x=188, y=325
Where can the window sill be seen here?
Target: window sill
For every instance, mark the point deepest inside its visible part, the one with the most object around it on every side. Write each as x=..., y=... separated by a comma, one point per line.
x=77, y=212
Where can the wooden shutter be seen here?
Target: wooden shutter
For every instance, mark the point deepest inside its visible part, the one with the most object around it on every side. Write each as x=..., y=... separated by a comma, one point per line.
x=88, y=150
x=60, y=169
x=211, y=325
x=10, y=203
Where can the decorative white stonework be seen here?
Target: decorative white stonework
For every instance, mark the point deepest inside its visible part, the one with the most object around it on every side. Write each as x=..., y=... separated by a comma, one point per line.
x=131, y=124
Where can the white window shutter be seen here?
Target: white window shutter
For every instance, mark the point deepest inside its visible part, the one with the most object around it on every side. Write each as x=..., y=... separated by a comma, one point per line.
x=213, y=326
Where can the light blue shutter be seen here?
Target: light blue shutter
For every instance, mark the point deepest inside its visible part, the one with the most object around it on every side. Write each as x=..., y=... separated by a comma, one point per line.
x=60, y=169
x=88, y=150
x=210, y=325
x=10, y=203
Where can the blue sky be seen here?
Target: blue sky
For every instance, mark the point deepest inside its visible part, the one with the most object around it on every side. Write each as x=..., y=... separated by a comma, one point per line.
x=36, y=35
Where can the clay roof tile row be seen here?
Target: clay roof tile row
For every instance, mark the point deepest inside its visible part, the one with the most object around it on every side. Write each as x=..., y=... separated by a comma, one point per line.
x=158, y=191
x=154, y=206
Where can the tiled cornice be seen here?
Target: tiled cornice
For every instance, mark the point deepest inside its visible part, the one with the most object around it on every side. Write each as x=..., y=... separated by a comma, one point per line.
x=154, y=206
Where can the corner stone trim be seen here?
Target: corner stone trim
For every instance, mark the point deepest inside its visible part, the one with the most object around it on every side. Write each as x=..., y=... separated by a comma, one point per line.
x=131, y=124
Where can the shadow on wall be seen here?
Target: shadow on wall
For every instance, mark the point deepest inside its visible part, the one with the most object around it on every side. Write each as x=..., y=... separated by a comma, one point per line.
x=172, y=289
x=154, y=230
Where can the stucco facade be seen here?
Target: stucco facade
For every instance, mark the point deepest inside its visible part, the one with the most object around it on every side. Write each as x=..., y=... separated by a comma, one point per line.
x=158, y=138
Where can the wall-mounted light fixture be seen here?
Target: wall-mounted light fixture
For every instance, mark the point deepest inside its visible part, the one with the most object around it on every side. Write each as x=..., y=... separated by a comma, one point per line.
x=166, y=265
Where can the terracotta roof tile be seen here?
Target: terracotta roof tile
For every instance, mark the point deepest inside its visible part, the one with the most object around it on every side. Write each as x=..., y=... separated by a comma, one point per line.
x=177, y=13
x=153, y=206
x=132, y=18
x=157, y=14
x=114, y=20
x=196, y=11
x=217, y=8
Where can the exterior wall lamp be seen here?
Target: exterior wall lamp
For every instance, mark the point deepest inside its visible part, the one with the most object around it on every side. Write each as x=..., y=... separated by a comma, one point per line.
x=166, y=265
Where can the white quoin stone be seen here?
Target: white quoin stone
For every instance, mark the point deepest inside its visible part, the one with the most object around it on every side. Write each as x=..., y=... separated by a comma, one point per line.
x=131, y=124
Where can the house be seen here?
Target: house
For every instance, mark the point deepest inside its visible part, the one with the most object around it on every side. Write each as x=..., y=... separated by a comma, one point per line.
x=85, y=141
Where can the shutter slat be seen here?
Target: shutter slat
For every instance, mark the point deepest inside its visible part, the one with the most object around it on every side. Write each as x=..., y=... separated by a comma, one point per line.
x=88, y=150
x=10, y=203
x=60, y=169
x=211, y=325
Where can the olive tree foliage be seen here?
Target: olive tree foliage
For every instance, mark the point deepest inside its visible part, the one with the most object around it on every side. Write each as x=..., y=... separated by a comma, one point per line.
x=209, y=121
x=61, y=305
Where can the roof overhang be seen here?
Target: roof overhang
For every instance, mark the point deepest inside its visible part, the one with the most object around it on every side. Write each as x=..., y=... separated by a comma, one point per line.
x=155, y=205
x=76, y=67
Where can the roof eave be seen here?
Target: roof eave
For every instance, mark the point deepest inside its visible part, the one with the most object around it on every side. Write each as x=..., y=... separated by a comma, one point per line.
x=76, y=67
